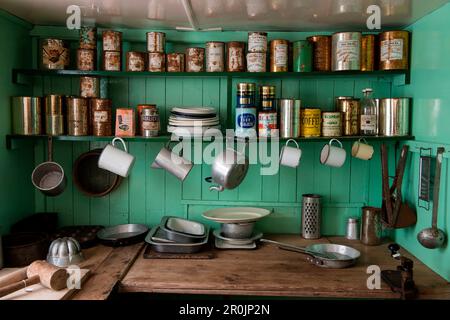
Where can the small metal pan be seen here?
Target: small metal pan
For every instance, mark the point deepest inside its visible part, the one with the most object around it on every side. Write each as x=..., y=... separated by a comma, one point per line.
x=155, y=238
x=182, y=230
x=122, y=235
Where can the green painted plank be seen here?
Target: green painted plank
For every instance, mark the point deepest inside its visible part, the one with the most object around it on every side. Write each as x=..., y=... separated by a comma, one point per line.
x=270, y=183
x=81, y=202
x=223, y=90
x=344, y=87
x=322, y=175
x=155, y=186
x=156, y=93
x=308, y=93
x=359, y=178
x=374, y=183
x=305, y=171
x=325, y=91
x=137, y=189
x=341, y=179
x=40, y=155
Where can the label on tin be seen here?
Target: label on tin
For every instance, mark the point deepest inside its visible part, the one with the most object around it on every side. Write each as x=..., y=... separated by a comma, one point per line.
x=215, y=58
x=112, y=61
x=235, y=58
x=347, y=51
x=136, y=63
x=156, y=62
x=266, y=123
x=155, y=42
x=89, y=87
x=310, y=123
x=245, y=120
x=150, y=122
x=392, y=50
x=281, y=55
x=256, y=62
x=257, y=43
x=101, y=116
x=369, y=122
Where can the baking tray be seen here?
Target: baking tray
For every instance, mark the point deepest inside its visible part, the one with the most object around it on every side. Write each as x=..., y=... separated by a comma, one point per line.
x=168, y=247
x=181, y=230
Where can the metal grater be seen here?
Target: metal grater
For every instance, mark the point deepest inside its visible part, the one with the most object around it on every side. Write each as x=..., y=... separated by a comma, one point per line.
x=424, y=178
x=311, y=216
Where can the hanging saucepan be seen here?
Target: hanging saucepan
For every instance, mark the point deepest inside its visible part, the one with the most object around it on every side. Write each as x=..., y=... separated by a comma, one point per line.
x=49, y=176
x=228, y=170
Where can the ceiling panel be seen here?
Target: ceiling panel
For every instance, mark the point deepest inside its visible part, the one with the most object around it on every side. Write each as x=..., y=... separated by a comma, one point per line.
x=282, y=15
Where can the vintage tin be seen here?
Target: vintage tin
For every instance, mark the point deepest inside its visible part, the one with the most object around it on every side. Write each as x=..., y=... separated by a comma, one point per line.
x=89, y=87
x=289, y=118
x=54, y=125
x=257, y=42
x=55, y=54
x=86, y=59
x=54, y=115
x=88, y=38
x=136, y=61
x=331, y=124
x=267, y=98
x=302, y=56
x=141, y=107
x=26, y=115
x=112, y=40
x=125, y=122
x=394, y=50
x=150, y=123
x=215, y=56
x=246, y=95
x=53, y=104
x=351, y=111
x=156, y=62
x=297, y=118
x=256, y=62
x=246, y=122
x=368, y=52
x=156, y=42
x=346, y=51
x=112, y=60
x=321, y=52
x=195, y=60
x=310, y=122
x=77, y=116
x=235, y=56
x=279, y=55
x=267, y=122
x=175, y=62
x=101, y=117
x=394, y=117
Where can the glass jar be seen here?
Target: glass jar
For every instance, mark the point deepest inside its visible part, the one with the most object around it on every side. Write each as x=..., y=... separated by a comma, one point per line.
x=369, y=119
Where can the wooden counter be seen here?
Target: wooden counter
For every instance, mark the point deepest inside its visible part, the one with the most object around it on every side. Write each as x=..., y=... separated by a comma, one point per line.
x=269, y=271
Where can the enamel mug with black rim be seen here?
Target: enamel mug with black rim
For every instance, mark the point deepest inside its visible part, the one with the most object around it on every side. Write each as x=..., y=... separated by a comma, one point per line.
x=333, y=156
x=116, y=160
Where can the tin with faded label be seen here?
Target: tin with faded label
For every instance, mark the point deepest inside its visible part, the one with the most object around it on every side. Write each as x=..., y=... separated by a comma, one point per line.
x=86, y=59
x=89, y=87
x=351, y=113
x=235, y=56
x=302, y=56
x=112, y=60
x=101, y=117
x=175, y=62
x=331, y=124
x=215, y=56
x=256, y=62
x=88, y=37
x=55, y=54
x=125, y=122
x=136, y=61
x=267, y=100
x=321, y=52
x=346, y=51
x=150, y=123
x=112, y=40
x=267, y=123
x=195, y=60
x=368, y=52
x=394, y=50
x=310, y=122
x=257, y=42
x=156, y=42
x=156, y=62
x=77, y=116
x=279, y=55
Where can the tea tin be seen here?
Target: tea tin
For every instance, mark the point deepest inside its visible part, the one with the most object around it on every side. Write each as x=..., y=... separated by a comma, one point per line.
x=89, y=87
x=55, y=54
x=215, y=56
x=112, y=40
x=136, y=61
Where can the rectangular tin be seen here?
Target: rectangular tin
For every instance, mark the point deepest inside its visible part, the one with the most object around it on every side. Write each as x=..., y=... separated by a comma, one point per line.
x=89, y=87
x=112, y=60
x=156, y=62
x=125, y=122
x=86, y=59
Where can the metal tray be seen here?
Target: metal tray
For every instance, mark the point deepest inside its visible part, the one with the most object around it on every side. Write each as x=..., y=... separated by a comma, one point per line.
x=182, y=230
x=167, y=247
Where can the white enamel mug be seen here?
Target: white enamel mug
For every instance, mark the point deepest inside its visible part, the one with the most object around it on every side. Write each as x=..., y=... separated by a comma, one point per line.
x=172, y=163
x=333, y=156
x=116, y=160
x=362, y=150
x=289, y=156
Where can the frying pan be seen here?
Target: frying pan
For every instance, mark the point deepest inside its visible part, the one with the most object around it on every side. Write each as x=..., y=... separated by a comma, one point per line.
x=122, y=235
x=326, y=255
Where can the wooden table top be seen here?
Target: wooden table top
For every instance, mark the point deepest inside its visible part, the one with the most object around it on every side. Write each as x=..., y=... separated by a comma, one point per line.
x=269, y=271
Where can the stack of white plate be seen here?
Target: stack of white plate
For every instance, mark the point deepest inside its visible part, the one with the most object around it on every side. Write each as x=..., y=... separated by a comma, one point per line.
x=192, y=121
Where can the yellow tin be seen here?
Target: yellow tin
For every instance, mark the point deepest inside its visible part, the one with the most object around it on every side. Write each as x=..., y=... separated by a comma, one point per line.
x=311, y=123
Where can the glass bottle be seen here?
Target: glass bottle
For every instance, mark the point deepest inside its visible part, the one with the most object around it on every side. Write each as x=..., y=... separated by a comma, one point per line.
x=369, y=121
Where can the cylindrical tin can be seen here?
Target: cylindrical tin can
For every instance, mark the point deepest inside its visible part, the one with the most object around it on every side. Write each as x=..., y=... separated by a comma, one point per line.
x=141, y=107
x=235, y=56
x=215, y=56
x=287, y=118
x=54, y=115
x=88, y=38
x=175, y=62
x=267, y=98
x=279, y=55
x=311, y=216
x=112, y=60
x=267, y=121
x=346, y=51
x=77, y=116
x=246, y=95
x=246, y=122
x=53, y=105
x=331, y=124
x=156, y=62
x=310, y=122
x=351, y=113
x=136, y=61
x=257, y=42
x=89, y=87
x=27, y=115
x=86, y=59
x=195, y=60
x=156, y=42
x=55, y=54
x=302, y=56
x=297, y=117
x=321, y=52
x=150, y=124
x=101, y=117
x=112, y=40
x=371, y=227
x=394, y=50
x=352, y=229
x=256, y=62
x=368, y=52
x=394, y=117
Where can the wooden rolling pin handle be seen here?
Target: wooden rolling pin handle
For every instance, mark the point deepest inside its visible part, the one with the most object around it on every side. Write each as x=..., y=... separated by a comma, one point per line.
x=13, y=277
x=18, y=285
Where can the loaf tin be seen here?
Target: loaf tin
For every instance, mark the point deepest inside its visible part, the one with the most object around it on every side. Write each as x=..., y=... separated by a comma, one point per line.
x=267, y=101
x=112, y=60
x=302, y=56
x=257, y=42
x=125, y=122
x=368, y=52
x=267, y=123
x=394, y=117
x=246, y=95
x=55, y=54
x=86, y=59
x=88, y=38
x=101, y=117
x=321, y=52
x=256, y=62
x=175, y=62
x=331, y=124
x=149, y=122
x=112, y=40
x=394, y=50
x=215, y=56
x=89, y=87
x=195, y=60
x=26, y=115
x=235, y=56
x=310, y=122
x=156, y=62
x=182, y=230
x=351, y=113
x=156, y=239
x=77, y=116
x=136, y=61
x=156, y=42
x=346, y=51
x=279, y=55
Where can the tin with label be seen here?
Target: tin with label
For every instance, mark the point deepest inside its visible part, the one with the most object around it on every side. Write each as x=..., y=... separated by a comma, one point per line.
x=125, y=122
x=86, y=59
x=256, y=62
x=88, y=38
x=55, y=54
x=101, y=116
x=112, y=40
x=112, y=60
x=156, y=62
x=77, y=116
x=246, y=95
x=215, y=56
x=321, y=52
x=156, y=42
x=368, y=52
x=267, y=98
x=302, y=56
x=89, y=87
x=267, y=122
x=150, y=123
x=195, y=60
x=136, y=61
x=346, y=51
x=175, y=62
x=235, y=56
x=351, y=111
x=310, y=122
x=279, y=55
x=394, y=50
x=257, y=42
x=246, y=122
x=331, y=124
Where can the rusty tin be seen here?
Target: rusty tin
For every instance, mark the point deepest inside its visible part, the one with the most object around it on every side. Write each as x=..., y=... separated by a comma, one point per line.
x=235, y=56
x=141, y=107
x=156, y=62
x=175, y=62
x=321, y=52
x=89, y=87
x=310, y=122
x=351, y=112
x=112, y=60
x=88, y=38
x=149, y=122
x=112, y=40
x=101, y=117
x=331, y=124
x=257, y=42
x=279, y=55
x=368, y=52
x=394, y=50
x=136, y=61
x=156, y=42
x=346, y=51
x=215, y=56
x=86, y=59
x=55, y=54
x=125, y=122
x=267, y=123
x=195, y=59
x=77, y=116
x=256, y=62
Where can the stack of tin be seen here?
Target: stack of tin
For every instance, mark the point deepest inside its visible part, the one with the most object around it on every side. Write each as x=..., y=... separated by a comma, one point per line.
x=54, y=115
x=112, y=50
x=156, y=43
x=77, y=116
x=246, y=110
x=87, y=51
x=26, y=114
x=350, y=108
x=267, y=116
x=257, y=52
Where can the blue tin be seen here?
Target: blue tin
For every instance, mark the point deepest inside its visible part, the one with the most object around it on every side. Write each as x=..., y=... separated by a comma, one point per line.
x=246, y=121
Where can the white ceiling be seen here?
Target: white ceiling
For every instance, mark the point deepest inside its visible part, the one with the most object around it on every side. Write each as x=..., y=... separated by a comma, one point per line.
x=282, y=15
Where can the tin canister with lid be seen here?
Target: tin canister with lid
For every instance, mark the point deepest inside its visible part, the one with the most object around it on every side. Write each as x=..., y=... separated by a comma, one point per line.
x=310, y=122
x=215, y=56
x=54, y=115
x=246, y=95
x=156, y=62
x=175, y=62
x=235, y=56
x=321, y=52
x=141, y=107
x=136, y=61
x=394, y=117
x=289, y=118
x=112, y=60
x=88, y=37
x=77, y=116
x=86, y=59
x=101, y=117
x=89, y=87
x=331, y=124
x=351, y=111
x=246, y=120
x=26, y=115
x=156, y=42
x=346, y=51
x=149, y=122
x=195, y=60
x=267, y=98
x=394, y=50
x=256, y=62
x=112, y=40
x=302, y=56
x=267, y=123
x=55, y=54
x=257, y=42
x=368, y=52
x=279, y=55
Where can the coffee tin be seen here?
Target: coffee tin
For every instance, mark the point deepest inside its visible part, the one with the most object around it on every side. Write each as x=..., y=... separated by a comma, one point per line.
x=215, y=56
x=101, y=117
x=394, y=50
x=246, y=122
x=346, y=51
x=310, y=122
x=112, y=60
x=267, y=98
x=112, y=40
x=279, y=55
x=88, y=38
x=351, y=112
x=195, y=60
x=86, y=59
x=136, y=61
x=235, y=56
x=302, y=56
x=368, y=52
x=331, y=124
x=55, y=54
x=267, y=123
x=321, y=52
x=156, y=62
x=89, y=87
x=156, y=42
x=246, y=95
x=27, y=115
x=150, y=123
x=175, y=62
x=257, y=42
x=77, y=116
x=256, y=62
